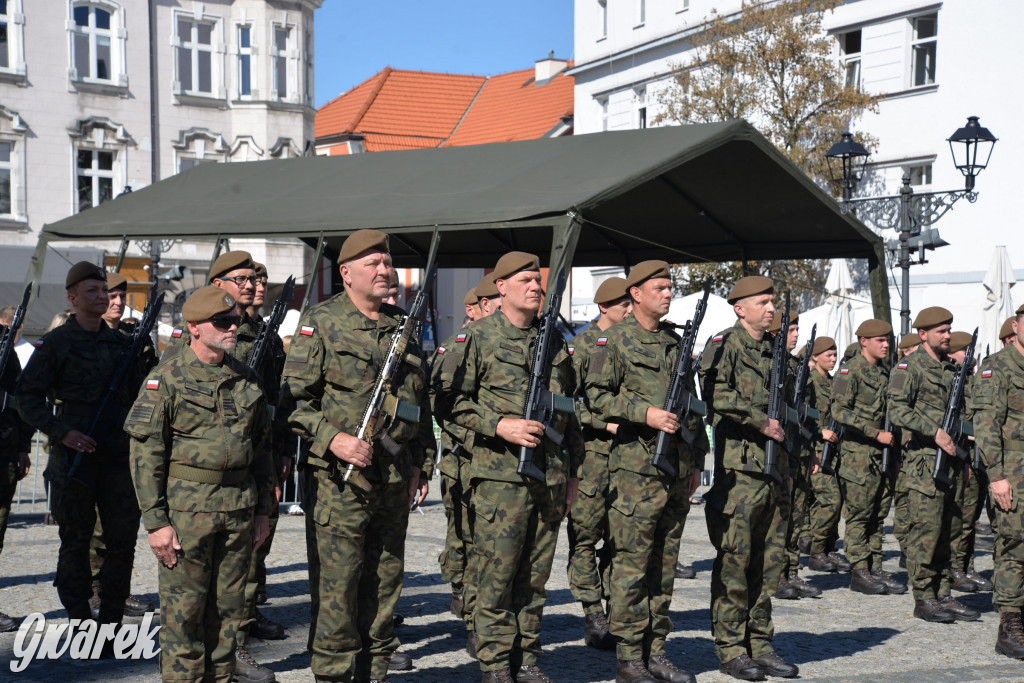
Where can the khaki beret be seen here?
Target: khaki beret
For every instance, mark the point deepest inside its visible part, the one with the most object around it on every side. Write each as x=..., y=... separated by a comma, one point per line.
x=749, y=286
x=823, y=344
x=470, y=298
x=361, y=241
x=794, y=318
x=959, y=341
x=513, y=262
x=261, y=270
x=486, y=289
x=909, y=341
x=933, y=316
x=230, y=260
x=612, y=289
x=116, y=281
x=1006, y=329
x=205, y=303
x=874, y=328
x=83, y=270
x=645, y=270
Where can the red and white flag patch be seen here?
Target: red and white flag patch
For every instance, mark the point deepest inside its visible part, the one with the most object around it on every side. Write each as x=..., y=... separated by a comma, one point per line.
x=986, y=373
x=459, y=338
x=39, y=344
x=571, y=349
x=153, y=384
x=844, y=371
x=176, y=333
x=601, y=341
x=440, y=350
x=717, y=338
x=902, y=366
x=307, y=331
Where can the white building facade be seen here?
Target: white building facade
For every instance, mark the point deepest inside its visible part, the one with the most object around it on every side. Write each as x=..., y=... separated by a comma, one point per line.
x=932, y=64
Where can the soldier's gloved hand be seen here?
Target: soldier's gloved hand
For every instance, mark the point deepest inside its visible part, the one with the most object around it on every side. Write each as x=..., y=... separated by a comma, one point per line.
x=352, y=450
x=885, y=438
x=24, y=465
x=1002, y=494
x=260, y=530
x=773, y=430
x=945, y=442
x=77, y=441
x=164, y=543
x=520, y=432
x=662, y=420
x=572, y=490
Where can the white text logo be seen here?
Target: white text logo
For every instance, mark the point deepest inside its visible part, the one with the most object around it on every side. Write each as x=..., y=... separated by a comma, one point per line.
x=82, y=640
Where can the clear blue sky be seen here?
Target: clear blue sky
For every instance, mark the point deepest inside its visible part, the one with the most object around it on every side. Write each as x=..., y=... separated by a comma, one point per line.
x=355, y=40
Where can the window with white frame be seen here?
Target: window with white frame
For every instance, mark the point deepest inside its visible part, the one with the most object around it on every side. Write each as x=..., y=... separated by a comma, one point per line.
x=197, y=146
x=682, y=5
x=924, y=34
x=920, y=174
x=12, y=167
x=5, y=38
x=603, y=104
x=94, y=177
x=280, y=52
x=12, y=35
x=6, y=176
x=602, y=18
x=850, y=52
x=92, y=52
x=641, y=12
x=640, y=97
x=245, y=61
x=194, y=55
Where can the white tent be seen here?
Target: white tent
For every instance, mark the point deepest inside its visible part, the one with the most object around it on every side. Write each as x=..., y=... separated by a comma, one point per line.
x=718, y=316
x=998, y=304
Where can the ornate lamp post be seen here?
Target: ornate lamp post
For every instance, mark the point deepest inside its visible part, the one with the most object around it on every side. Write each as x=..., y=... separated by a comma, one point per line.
x=908, y=212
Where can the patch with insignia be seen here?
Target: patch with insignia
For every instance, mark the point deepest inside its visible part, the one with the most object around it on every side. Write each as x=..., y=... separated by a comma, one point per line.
x=986, y=373
x=601, y=341
x=153, y=384
x=440, y=350
x=176, y=333
x=142, y=412
x=459, y=338
x=39, y=344
x=844, y=371
x=717, y=338
x=307, y=331
x=571, y=349
x=902, y=366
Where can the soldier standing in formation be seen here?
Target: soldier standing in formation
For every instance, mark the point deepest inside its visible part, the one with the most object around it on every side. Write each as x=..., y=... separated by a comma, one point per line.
x=204, y=478
x=746, y=508
x=588, y=566
x=357, y=544
x=626, y=383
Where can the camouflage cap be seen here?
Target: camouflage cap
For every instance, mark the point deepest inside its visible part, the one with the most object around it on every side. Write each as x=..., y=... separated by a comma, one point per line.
x=261, y=270
x=362, y=241
x=612, y=289
x=230, y=260
x=470, y=298
x=933, y=316
x=513, y=262
x=750, y=286
x=873, y=328
x=909, y=341
x=823, y=344
x=959, y=341
x=486, y=289
x=794, y=318
x=83, y=270
x=205, y=303
x=645, y=270
x=117, y=281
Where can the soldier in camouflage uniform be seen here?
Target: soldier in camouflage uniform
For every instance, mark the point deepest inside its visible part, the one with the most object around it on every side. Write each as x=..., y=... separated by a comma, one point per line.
x=918, y=393
x=15, y=442
x=71, y=368
x=516, y=517
x=589, y=566
x=998, y=402
x=630, y=367
x=204, y=477
x=358, y=525
x=858, y=404
x=746, y=509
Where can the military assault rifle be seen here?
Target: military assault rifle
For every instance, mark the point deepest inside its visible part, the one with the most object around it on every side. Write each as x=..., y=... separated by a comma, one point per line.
x=384, y=407
x=679, y=400
x=125, y=364
x=541, y=404
x=951, y=423
x=777, y=394
x=7, y=341
x=797, y=415
x=889, y=453
x=829, y=450
x=270, y=325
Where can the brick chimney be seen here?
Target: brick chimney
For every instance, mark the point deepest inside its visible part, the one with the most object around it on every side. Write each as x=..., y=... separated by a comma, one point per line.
x=549, y=67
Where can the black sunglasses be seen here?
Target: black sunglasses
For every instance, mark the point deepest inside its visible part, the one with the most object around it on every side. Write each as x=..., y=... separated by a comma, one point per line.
x=224, y=322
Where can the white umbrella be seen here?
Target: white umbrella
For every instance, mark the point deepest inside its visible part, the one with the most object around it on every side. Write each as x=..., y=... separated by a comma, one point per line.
x=838, y=322
x=718, y=316
x=998, y=299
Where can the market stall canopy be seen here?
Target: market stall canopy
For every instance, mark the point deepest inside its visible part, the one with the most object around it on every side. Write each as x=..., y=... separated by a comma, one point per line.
x=710, y=192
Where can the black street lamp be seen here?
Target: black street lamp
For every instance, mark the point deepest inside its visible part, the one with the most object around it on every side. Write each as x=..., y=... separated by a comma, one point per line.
x=908, y=212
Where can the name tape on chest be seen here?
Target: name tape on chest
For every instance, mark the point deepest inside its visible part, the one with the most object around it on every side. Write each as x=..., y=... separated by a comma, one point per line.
x=307, y=331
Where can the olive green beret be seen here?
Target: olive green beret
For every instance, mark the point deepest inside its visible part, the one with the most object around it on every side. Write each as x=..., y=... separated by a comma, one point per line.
x=230, y=260
x=909, y=341
x=1020, y=309
x=83, y=270
x=361, y=241
x=750, y=286
x=1006, y=329
x=933, y=316
x=116, y=281
x=794, y=318
x=486, y=289
x=823, y=344
x=205, y=303
x=646, y=270
x=261, y=270
x=470, y=298
x=874, y=328
x=612, y=289
x=959, y=341
x=513, y=262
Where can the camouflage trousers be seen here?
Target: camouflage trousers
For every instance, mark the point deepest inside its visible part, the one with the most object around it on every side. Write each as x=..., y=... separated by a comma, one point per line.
x=747, y=514
x=8, y=486
x=75, y=507
x=202, y=598
x=257, y=578
x=900, y=513
x=589, y=566
x=799, y=515
x=357, y=567
x=646, y=516
x=514, y=537
x=931, y=511
x=1008, y=578
x=826, y=510
x=456, y=562
x=865, y=519
x=970, y=498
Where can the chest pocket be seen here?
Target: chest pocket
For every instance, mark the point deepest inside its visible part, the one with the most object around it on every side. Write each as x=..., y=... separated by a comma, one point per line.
x=351, y=366
x=645, y=358
x=196, y=413
x=239, y=417
x=507, y=377
x=1015, y=396
x=932, y=395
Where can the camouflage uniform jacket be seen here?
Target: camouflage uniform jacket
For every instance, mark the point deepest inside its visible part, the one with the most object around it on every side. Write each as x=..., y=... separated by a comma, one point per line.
x=203, y=416
x=629, y=373
x=329, y=375
x=492, y=381
x=447, y=359
x=821, y=399
x=858, y=403
x=735, y=370
x=15, y=433
x=998, y=404
x=72, y=368
x=582, y=347
x=806, y=452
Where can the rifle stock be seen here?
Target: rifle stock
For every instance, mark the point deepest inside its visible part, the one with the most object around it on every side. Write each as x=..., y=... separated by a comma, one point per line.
x=776, y=395
x=951, y=423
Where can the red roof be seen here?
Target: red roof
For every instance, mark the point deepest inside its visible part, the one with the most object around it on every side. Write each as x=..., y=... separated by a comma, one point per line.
x=398, y=109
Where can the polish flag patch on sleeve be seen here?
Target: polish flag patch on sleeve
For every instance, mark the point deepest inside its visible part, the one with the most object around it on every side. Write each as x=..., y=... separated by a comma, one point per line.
x=571, y=349
x=601, y=341
x=440, y=350
x=307, y=331
x=176, y=333
x=902, y=366
x=459, y=338
x=986, y=373
x=39, y=344
x=844, y=371
x=153, y=384
x=717, y=338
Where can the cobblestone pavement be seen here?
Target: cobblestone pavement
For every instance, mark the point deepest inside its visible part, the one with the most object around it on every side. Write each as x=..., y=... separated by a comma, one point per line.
x=842, y=636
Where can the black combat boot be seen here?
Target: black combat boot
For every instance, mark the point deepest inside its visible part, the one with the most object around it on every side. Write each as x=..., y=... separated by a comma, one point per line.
x=743, y=668
x=960, y=583
x=248, y=670
x=399, y=662
x=684, y=572
x=457, y=606
x=531, y=673
x=134, y=607
x=862, y=581
x=8, y=623
x=265, y=629
x=980, y=581
x=472, y=643
x=634, y=672
x=842, y=564
x=893, y=586
x=596, y=633
x=774, y=665
x=931, y=610
x=664, y=670
x=959, y=610
x=1010, y=641
x=804, y=544
x=805, y=589
x=820, y=562
x=786, y=591
x=503, y=676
